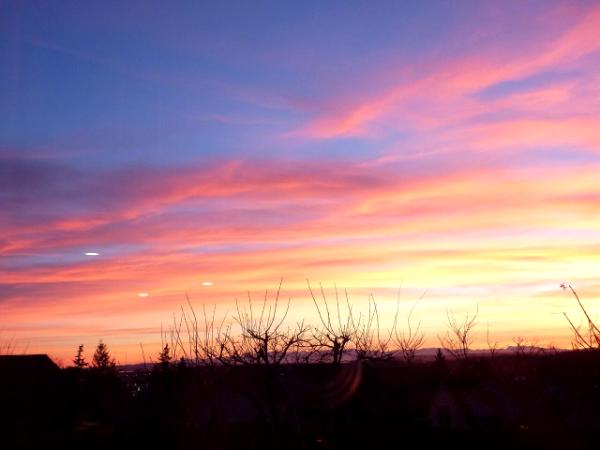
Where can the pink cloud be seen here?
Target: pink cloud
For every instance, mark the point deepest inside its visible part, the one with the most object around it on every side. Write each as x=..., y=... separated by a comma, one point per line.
x=452, y=80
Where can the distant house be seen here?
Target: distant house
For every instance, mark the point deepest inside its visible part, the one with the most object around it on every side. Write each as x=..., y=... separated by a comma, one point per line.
x=27, y=365
x=27, y=380
x=32, y=398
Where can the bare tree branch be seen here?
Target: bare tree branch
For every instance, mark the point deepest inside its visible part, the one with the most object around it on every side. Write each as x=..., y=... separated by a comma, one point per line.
x=458, y=339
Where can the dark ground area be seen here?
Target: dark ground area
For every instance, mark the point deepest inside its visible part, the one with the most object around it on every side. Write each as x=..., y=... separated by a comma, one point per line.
x=549, y=401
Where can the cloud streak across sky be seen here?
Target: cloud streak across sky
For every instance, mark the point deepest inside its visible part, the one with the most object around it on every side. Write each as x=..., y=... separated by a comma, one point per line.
x=454, y=150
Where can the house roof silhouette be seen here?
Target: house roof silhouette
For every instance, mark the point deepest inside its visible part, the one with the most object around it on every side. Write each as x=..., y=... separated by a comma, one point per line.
x=27, y=364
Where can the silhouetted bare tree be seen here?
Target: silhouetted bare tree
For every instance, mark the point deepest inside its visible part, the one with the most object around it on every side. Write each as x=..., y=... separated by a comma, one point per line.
x=458, y=339
x=197, y=343
x=306, y=351
x=264, y=337
x=212, y=338
x=492, y=345
x=586, y=338
x=334, y=335
x=410, y=339
x=521, y=346
x=7, y=347
x=370, y=341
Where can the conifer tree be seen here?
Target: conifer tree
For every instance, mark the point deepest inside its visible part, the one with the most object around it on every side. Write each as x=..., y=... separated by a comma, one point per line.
x=79, y=361
x=102, y=359
x=440, y=359
x=164, y=357
x=439, y=364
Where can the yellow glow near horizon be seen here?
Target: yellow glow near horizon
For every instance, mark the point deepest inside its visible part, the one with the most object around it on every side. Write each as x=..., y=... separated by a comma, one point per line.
x=467, y=171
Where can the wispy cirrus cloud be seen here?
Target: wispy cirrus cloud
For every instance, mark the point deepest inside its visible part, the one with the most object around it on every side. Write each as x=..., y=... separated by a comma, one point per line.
x=455, y=80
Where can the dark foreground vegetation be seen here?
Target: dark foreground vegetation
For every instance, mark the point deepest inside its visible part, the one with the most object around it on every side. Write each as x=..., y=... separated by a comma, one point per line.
x=339, y=385
x=516, y=401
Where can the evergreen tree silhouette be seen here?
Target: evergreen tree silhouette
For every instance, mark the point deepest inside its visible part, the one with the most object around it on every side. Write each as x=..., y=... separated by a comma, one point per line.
x=440, y=359
x=440, y=365
x=164, y=357
x=79, y=361
x=102, y=359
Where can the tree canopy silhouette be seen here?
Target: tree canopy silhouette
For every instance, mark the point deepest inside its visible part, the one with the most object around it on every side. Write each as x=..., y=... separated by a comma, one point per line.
x=79, y=361
x=102, y=358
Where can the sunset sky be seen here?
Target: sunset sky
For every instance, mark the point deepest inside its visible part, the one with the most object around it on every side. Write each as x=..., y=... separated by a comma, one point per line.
x=446, y=147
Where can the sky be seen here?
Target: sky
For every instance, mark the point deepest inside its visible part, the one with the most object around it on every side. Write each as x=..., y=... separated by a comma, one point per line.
x=450, y=149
